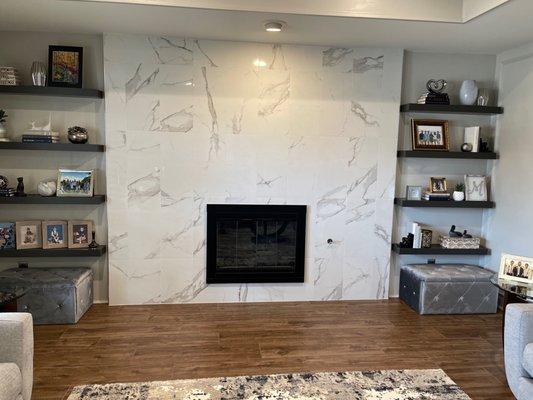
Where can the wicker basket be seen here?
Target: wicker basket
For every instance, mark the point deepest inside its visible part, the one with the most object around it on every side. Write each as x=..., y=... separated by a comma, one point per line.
x=460, y=243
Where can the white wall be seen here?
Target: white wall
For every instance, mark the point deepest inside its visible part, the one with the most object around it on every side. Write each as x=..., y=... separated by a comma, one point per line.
x=508, y=227
x=20, y=49
x=190, y=123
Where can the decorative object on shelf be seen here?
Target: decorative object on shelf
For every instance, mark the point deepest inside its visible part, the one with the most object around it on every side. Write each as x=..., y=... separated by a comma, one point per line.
x=65, y=66
x=3, y=130
x=416, y=230
x=427, y=237
x=47, y=188
x=78, y=135
x=454, y=233
x=435, y=94
x=407, y=241
x=466, y=148
x=476, y=188
x=460, y=242
x=38, y=73
x=79, y=234
x=483, y=97
x=430, y=135
x=9, y=76
x=55, y=234
x=438, y=185
x=7, y=235
x=75, y=183
x=471, y=137
x=413, y=193
x=468, y=92
x=466, y=235
x=516, y=268
x=484, y=146
x=28, y=235
x=4, y=182
x=459, y=192
x=20, y=187
x=41, y=133
x=93, y=244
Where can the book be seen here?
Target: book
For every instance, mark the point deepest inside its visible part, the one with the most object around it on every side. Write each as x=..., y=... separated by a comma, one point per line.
x=40, y=140
x=416, y=230
x=472, y=137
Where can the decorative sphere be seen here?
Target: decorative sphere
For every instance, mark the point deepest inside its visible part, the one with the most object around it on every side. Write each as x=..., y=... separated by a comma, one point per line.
x=467, y=147
x=78, y=135
x=47, y=188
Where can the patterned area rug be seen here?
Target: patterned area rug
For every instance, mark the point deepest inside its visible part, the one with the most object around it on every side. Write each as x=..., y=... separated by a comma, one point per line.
x=427, y=384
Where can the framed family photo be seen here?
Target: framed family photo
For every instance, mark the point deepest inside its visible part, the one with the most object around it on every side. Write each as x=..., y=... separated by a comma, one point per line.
x=430, y=135
x=75, y=183
x=516, y=268
x=7, y=235
x=80, y=234
x=438, y=185
x=28, y=234
x=65, y=66
x=55, y=235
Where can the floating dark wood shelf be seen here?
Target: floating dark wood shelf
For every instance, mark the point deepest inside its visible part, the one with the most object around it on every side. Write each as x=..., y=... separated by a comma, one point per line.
x=446, y=154
x=450, y=109
x=97, y=252
x=38, y=199
x=437, y=249
x=52, y=91
x=449, y=203
x=98, y=148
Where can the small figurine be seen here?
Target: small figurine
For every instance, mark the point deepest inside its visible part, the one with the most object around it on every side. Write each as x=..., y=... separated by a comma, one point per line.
x=466, y=235
x=453, y=232
x=20, y=188
x=407, y=242
x=93, y=244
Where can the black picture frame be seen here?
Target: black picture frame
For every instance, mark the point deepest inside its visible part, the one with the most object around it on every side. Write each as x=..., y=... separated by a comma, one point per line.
x=72, y=49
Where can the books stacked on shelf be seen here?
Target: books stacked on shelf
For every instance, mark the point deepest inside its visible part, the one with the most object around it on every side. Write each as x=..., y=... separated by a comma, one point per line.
x=429, y=196
x=417, y=233
x=434, y=98
x=9, y=76
x=7, y=192
x=49, y=137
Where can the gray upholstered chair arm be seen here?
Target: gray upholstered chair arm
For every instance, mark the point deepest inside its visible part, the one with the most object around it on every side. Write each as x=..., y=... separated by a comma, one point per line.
x=16, y=346
x=518, y=333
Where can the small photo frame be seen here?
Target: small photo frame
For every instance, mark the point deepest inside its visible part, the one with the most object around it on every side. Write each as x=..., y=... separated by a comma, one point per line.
x=80, y=234
x=7, y=235
x=430, y=135
x=476, y=188
x=65, y=66
x=28, y=234
x=55, y=235
x=516, y=268
x=72, y=183
x=438, y=185
x=413, y=193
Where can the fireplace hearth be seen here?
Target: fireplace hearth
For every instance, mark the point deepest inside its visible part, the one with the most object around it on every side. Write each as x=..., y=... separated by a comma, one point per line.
x=255, y=243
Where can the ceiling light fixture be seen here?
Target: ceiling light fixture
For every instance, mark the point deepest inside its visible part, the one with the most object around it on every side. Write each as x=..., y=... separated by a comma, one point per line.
x=274, y=26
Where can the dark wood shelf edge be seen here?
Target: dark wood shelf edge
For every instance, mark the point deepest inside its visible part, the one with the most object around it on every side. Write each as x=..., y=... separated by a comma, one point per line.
x=451, y=109
x=95, y=148
x=446, y=154
x=443, y=204
x=12, y=253
x=38, y=199
x=438, y=250
x=52, y=91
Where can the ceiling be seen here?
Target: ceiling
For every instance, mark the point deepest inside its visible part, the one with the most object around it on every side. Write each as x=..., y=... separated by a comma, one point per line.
x=462, y=26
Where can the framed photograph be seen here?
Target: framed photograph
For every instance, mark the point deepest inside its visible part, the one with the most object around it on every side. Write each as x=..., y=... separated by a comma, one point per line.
x=516, y=268
x=55, y=235
x=430, y=135
x=438, y=185
x=413, y=193
x=28, y=234
x=80, y=234
x=65, y=66
x=7, y=235
x=476, y=188
x=75, y=183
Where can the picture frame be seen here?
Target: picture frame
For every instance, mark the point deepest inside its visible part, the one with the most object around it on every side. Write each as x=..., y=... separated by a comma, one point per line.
x=55, y=234
x=428, y=134
x=65, y=66
x=413, y=193
x=74, y=183
x=28, y=235
x=7, y=235
x=516, y=268
x=80, y=234
x=476, y=188
x=438, y=185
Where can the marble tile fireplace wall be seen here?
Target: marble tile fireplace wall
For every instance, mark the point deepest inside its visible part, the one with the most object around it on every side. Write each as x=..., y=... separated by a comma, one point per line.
x=197, y=122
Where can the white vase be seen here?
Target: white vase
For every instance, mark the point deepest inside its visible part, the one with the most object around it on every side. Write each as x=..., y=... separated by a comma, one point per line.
x=468, y=92
x=458, y=196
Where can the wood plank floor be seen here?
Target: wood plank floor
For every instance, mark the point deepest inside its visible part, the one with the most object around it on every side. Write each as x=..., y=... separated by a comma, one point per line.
x=143, y=343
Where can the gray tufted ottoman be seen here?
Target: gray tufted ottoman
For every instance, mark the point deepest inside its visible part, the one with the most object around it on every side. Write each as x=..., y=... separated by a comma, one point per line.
x=54, y=295
x=448, y=289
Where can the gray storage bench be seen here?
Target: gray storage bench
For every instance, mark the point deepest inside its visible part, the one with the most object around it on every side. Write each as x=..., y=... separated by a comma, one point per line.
x=448, y=289
x=53, y=295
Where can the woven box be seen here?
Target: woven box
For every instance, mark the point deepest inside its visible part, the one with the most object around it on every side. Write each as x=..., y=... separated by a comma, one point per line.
x=460, y=243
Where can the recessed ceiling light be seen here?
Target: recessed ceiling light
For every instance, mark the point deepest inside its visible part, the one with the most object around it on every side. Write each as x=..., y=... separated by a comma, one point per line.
x=274, y=26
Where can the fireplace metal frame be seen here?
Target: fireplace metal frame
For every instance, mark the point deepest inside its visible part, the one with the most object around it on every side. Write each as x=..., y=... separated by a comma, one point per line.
x=254, y=275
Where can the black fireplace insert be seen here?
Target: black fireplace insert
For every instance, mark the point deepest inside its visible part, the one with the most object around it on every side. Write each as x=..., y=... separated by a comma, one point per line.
x=255, y=243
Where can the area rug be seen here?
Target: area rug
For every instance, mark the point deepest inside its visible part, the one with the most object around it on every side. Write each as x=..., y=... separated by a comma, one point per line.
x=425, y=384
